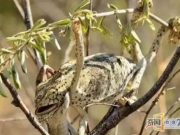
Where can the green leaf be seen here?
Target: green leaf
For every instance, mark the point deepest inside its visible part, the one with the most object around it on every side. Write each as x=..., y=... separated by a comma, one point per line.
x=82, y=4
x=131, y=33
x=112, y=6
x=101, y=28
x=2, y=92
x=135, y=36
x=146, y=8
x=15, y=39
x=24, y=68
x=61, y=22
x=96, y=29
x=83, y=25
x=43, y=57
x=38, y=24
x=55, y=42
x=150, y=24
x=100, y=21
x=86, y=11
x=40, y=49
x=20, y=34
x=36, y=46
x=1, y=59
x=44, y=37
x=23, y=65
x=19, y=55
x=6, y=51
x=125, y=40
x=90, y=18
x=15, y=76
x=105, y=30
x=43, y=54
x=118, y=22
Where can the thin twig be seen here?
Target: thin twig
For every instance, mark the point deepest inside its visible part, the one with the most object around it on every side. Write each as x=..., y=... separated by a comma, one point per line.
x=12, y=119
x=118, y=114
x=140, y=111
x=88, y=32
x=72, y=122
x=171, y=107
x=129, y=10
x=18, y=6
x=87, y=40
x=19, y=103
x=174, y=112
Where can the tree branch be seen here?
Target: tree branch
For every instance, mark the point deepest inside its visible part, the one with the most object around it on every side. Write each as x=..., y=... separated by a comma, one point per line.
x=129, y=10
x=117, y=114
x=28, y=20
x=26, y=14
x=19, y=103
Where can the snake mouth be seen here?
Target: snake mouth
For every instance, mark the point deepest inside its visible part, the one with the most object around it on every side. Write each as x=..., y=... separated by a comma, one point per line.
x=46, y=109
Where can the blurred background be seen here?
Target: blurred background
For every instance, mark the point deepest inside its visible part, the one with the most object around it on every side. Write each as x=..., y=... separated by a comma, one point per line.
x=14, y=122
